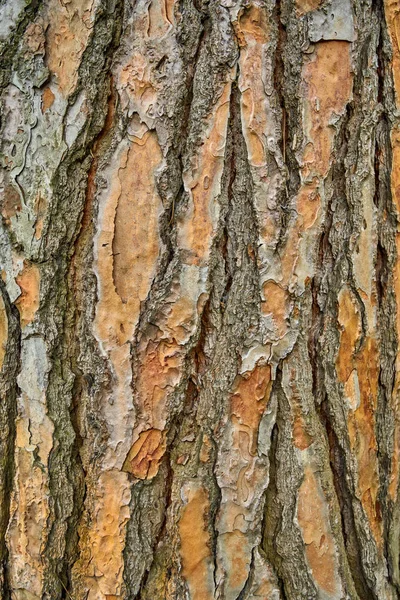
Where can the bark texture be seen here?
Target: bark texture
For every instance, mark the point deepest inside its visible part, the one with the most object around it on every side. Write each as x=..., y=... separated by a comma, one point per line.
x=200, y=299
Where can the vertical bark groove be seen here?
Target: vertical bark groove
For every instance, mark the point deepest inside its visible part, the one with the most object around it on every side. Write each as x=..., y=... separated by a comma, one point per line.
x=200, y=291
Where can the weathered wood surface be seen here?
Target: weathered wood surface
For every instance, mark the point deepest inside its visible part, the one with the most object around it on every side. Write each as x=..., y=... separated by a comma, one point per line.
x=200, y=299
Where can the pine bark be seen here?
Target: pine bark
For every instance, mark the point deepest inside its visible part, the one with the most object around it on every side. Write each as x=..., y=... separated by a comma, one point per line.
x=200, y=299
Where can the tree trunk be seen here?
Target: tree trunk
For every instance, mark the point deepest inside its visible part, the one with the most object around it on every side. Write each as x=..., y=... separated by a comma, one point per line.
x=200, y=292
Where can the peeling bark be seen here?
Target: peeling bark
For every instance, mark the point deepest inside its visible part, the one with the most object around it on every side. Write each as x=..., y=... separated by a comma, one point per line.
x=199, y=299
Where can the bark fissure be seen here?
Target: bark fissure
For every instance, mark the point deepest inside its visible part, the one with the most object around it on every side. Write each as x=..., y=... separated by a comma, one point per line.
x=199, y=319
x=8, y=396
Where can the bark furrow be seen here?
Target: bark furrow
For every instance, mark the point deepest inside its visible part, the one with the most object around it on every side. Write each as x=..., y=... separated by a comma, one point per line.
x=199, y=299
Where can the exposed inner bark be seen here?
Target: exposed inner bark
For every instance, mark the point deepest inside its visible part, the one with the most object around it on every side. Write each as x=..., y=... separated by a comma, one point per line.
x=199, y=300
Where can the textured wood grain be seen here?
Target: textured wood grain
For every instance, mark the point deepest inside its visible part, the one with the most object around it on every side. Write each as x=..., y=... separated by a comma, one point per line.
x=199, y=300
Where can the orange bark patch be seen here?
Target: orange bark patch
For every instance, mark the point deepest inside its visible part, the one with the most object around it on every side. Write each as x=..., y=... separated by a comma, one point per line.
x=68, y=33
x=28, y=302
x=205, y=451
x=328, y=80
x=326, y=88
x=312, y=515
x=290, y=254
x=237, y=558
x=253, y=33
x=136, y=241
x=308, y=204
x=27, y=531
x=350, y=322
x=393, y=22
x=181, y=318
x=160, y=368
x=248, y=402
x=301, y=437
x=305, y=6
x=250, y=397
x=196, y=233
x=241, y=476
x=47, y=99
x=161, y=17
x=128, y=244
x=392, y=15
x=3, y=330
x=34, y=38
x=254, y=25
x=361, y=426
x=102, y=544
x=359, y=372
x=145, y=454
x=275, y=303
x=40, y=209
x=195, y=545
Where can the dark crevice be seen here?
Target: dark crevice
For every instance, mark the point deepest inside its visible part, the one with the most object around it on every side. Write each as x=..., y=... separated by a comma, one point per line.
x=9, y=48
x=246, y=588
x=336, y=453
x=196, y=363
x=167, y=486
x=272, y=511
x=174, y=199
x=385, y=287
x=334, y=271
x=285, y=112
x=345, y=500
x=66, y=471
x=279, y=75
x=9, y=392
x=192, y=68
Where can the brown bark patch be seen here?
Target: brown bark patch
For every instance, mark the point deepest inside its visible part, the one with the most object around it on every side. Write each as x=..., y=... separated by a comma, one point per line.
x=350, y=322
x=34, y=38
x=250, y=397
x=253, y=25
x=40, y=209
x=205, y=450
x=67, y=37
x=100, y=565
x=28, y=302
x=328, y=80
x=136, y=242
x=10, y=203
x=195, y=545
x=253, y=34
x=128, y=244
x=159, y=372
x=145, y=454
x=309, y=204
x=393, y=22
x=305, y=6
x=160, y=17
x=196, y=233
x=314, y=524
x=3, y=331
x=358, y=370
x=47, y=99
x=237, y=558
x=276, y=304
x=361, y=426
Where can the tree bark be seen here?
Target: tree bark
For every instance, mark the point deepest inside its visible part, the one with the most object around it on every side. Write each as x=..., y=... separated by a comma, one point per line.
x=200, y=299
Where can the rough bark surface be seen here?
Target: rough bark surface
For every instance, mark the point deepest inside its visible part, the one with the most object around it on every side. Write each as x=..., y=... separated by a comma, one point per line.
x=200, y=299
